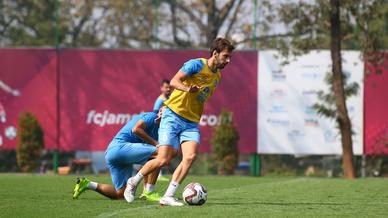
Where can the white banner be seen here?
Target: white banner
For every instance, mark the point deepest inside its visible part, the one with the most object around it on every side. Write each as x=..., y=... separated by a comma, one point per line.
x=287, y=123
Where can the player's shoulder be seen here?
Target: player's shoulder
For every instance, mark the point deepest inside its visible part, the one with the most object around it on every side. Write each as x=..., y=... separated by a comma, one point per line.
x=196, y=61
x=162, y=98
x=148, y=116
x=193, y=65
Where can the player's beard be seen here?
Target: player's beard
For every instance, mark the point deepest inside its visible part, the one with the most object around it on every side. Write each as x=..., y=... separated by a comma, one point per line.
x=219, y=64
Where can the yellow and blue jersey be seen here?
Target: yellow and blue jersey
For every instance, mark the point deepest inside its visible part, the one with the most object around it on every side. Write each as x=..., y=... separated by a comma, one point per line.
x=190, y=105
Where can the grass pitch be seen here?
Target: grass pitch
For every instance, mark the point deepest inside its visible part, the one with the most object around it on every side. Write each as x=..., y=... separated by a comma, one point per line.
x=234, y=196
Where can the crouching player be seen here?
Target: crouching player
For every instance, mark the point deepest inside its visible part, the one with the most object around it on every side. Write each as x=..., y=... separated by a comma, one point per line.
x=135, y=143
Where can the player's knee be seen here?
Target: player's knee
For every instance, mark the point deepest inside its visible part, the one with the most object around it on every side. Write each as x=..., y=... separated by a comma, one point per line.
x=190, y=158
x=119, y=195
x=163, y=161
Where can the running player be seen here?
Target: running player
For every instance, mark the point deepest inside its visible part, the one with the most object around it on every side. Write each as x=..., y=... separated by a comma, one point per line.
x=193, y=84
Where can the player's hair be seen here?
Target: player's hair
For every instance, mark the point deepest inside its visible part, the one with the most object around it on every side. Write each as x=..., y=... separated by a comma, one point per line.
x=219, y=44
x=164, y=81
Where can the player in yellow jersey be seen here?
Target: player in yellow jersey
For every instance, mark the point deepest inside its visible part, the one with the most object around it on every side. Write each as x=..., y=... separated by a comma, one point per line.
x=193, y=84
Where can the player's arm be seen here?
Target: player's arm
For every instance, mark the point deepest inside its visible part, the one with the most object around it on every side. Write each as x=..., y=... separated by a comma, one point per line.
x=177, y=83
x=139, y=130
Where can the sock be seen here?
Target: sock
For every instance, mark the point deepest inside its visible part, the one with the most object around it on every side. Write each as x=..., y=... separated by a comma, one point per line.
x=149, y=187
x=137, y=178
x=171, y=189
x=92, y=185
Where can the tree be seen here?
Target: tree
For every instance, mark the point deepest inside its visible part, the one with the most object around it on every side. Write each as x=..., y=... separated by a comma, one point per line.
x=326, y=106
x=30, y=145
x=329, y=24
x=225, y=144
x=123, y=23
x=206, y=18
x=33, y=23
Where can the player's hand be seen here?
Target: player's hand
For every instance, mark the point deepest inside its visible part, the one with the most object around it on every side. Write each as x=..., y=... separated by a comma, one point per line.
x=195, y=88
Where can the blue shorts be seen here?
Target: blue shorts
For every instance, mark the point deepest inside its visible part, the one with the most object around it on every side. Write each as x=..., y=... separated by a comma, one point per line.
x=174, y=130
x=120, y=156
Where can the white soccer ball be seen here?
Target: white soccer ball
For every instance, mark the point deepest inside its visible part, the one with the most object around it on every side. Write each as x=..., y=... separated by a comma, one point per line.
x=194, y=194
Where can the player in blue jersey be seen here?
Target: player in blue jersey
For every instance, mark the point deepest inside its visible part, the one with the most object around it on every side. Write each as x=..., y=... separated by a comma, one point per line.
x=135, y=143
x=166, y=89
x=193, y=85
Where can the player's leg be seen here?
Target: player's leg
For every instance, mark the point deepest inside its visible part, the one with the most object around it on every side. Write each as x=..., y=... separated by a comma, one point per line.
x=188, y=156
x=119, y=157
x=189, y=152
x=149, y=192
x=110, y=192
x=149, y=186
x=165, y=153
x=120, y=172
x=189, y=139
x=168, y=138
x=119, y=175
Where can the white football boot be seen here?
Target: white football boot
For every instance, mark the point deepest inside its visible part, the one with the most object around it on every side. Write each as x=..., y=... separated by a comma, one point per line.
x=170, y=201
x=130, y=191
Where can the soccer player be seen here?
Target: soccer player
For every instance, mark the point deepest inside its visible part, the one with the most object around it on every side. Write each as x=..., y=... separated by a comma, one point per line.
x=165, y=88
x=135, y=143
x=193, y=84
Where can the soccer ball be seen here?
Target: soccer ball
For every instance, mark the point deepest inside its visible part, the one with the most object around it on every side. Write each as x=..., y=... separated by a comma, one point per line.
x=194, y=194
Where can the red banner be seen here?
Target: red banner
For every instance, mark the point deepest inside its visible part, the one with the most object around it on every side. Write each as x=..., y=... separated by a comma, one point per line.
x=100, y=90
x=375, y=106
x=27, y=84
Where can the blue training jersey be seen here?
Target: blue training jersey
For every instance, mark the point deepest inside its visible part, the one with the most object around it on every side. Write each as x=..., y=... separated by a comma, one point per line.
x=126, y=134
x=159, y=103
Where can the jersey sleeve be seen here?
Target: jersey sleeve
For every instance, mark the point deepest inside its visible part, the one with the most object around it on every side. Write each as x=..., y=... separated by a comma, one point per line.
x=149, y=119
x=192, y=66
x=158, y=104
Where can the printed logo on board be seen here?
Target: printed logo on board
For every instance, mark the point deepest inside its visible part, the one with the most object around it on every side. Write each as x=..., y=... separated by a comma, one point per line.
x=277, y=109
x=278, y=75
x=309, y=110
x=278, y=122
x=313, y=75
x=296, y=135
x=329, y=136
x=278, y=93
x=311, y=122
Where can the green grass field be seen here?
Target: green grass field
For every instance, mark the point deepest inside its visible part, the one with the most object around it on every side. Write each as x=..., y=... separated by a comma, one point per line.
x=234, y=196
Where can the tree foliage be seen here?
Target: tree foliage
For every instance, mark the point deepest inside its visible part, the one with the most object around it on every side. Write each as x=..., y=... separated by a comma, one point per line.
x=326, y=100
x=224, y=142
x=333, y=24
x=122, y=23
x=31, y=143
x=306, y=23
